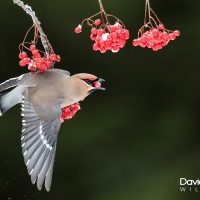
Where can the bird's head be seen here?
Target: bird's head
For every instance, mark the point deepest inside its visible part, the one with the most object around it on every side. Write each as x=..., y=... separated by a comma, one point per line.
x=92, y=82
x=81, y=85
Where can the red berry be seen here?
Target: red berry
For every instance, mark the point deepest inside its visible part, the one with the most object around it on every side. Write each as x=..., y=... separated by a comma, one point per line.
x=78, y=29
x=103, y=49
x=30, y=67
x=69, y=111
x=23, y=55
x=94, y=31
x=22, y=63
x=32, y=47
x=96, y=47
x=115, y=49
x=164, y=36
x=36, y=54
x=93, y=37
x=76, y=106
x=35, y=51
x=53, y=57
x=58, y=58
x=177, y=33
x=97, y=22
x=126, y=33
x=49, y=64
x=161, y=26
x=155, y=33
x=172, y=36
x=27, y=60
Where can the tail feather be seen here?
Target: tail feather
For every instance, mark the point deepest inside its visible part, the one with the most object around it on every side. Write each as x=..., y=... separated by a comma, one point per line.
x=1, y=106
x=10, y=99
x=13, y=82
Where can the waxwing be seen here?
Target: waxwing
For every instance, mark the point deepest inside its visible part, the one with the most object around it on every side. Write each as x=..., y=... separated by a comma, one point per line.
x=42, y=96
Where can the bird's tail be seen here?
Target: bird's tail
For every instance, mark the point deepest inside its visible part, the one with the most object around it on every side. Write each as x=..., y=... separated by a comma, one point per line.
x=0, y=106
x=9, y=99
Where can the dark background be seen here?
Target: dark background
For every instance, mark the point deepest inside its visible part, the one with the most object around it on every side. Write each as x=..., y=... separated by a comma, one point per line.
x=135, y=140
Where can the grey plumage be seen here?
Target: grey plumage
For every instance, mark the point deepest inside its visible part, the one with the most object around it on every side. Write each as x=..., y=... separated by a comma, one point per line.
x=9, y=84
x=41, y=97
x=38, y=141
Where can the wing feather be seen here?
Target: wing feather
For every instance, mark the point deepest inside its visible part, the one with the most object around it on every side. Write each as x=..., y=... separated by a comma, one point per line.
x=38, y=141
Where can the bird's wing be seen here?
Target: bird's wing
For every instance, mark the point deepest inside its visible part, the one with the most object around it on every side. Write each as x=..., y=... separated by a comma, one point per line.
x=39, y=138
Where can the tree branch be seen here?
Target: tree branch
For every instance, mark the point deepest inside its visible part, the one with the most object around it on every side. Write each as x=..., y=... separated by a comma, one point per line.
x=45, y=42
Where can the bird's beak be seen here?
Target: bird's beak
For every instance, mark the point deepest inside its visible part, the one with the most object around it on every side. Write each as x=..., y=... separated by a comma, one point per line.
x=100, y=80
x=100, y=88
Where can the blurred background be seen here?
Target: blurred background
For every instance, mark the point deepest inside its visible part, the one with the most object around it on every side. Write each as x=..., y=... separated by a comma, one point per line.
x=134, y=141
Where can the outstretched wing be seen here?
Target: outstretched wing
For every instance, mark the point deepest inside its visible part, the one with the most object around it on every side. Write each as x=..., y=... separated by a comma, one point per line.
x=38, y=139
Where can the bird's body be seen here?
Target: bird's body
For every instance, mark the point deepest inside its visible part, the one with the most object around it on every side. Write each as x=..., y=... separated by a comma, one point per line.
x=44, y=90
x=42, y=97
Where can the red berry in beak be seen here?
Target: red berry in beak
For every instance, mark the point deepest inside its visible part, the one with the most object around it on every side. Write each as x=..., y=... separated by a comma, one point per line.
x=96, y=84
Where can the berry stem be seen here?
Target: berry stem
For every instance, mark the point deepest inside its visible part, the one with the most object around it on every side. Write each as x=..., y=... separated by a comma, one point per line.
x=147, y=12
x=89, y=18
x=155, y=16
x=154, y=21
x=45, y=42
x=101, y=6
x=22, y=44
x=119, y=20
x=103, y=12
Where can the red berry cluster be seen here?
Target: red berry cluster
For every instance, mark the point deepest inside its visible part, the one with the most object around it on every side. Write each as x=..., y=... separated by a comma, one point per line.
x=112, y=37
x=105, y=35
x=156, y=38
x=112, y=40
x=37, y=63
x=153, y=33
x=69, y=111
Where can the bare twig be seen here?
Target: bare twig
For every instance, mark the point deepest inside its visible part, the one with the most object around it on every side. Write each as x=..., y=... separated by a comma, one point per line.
x=45, y=42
